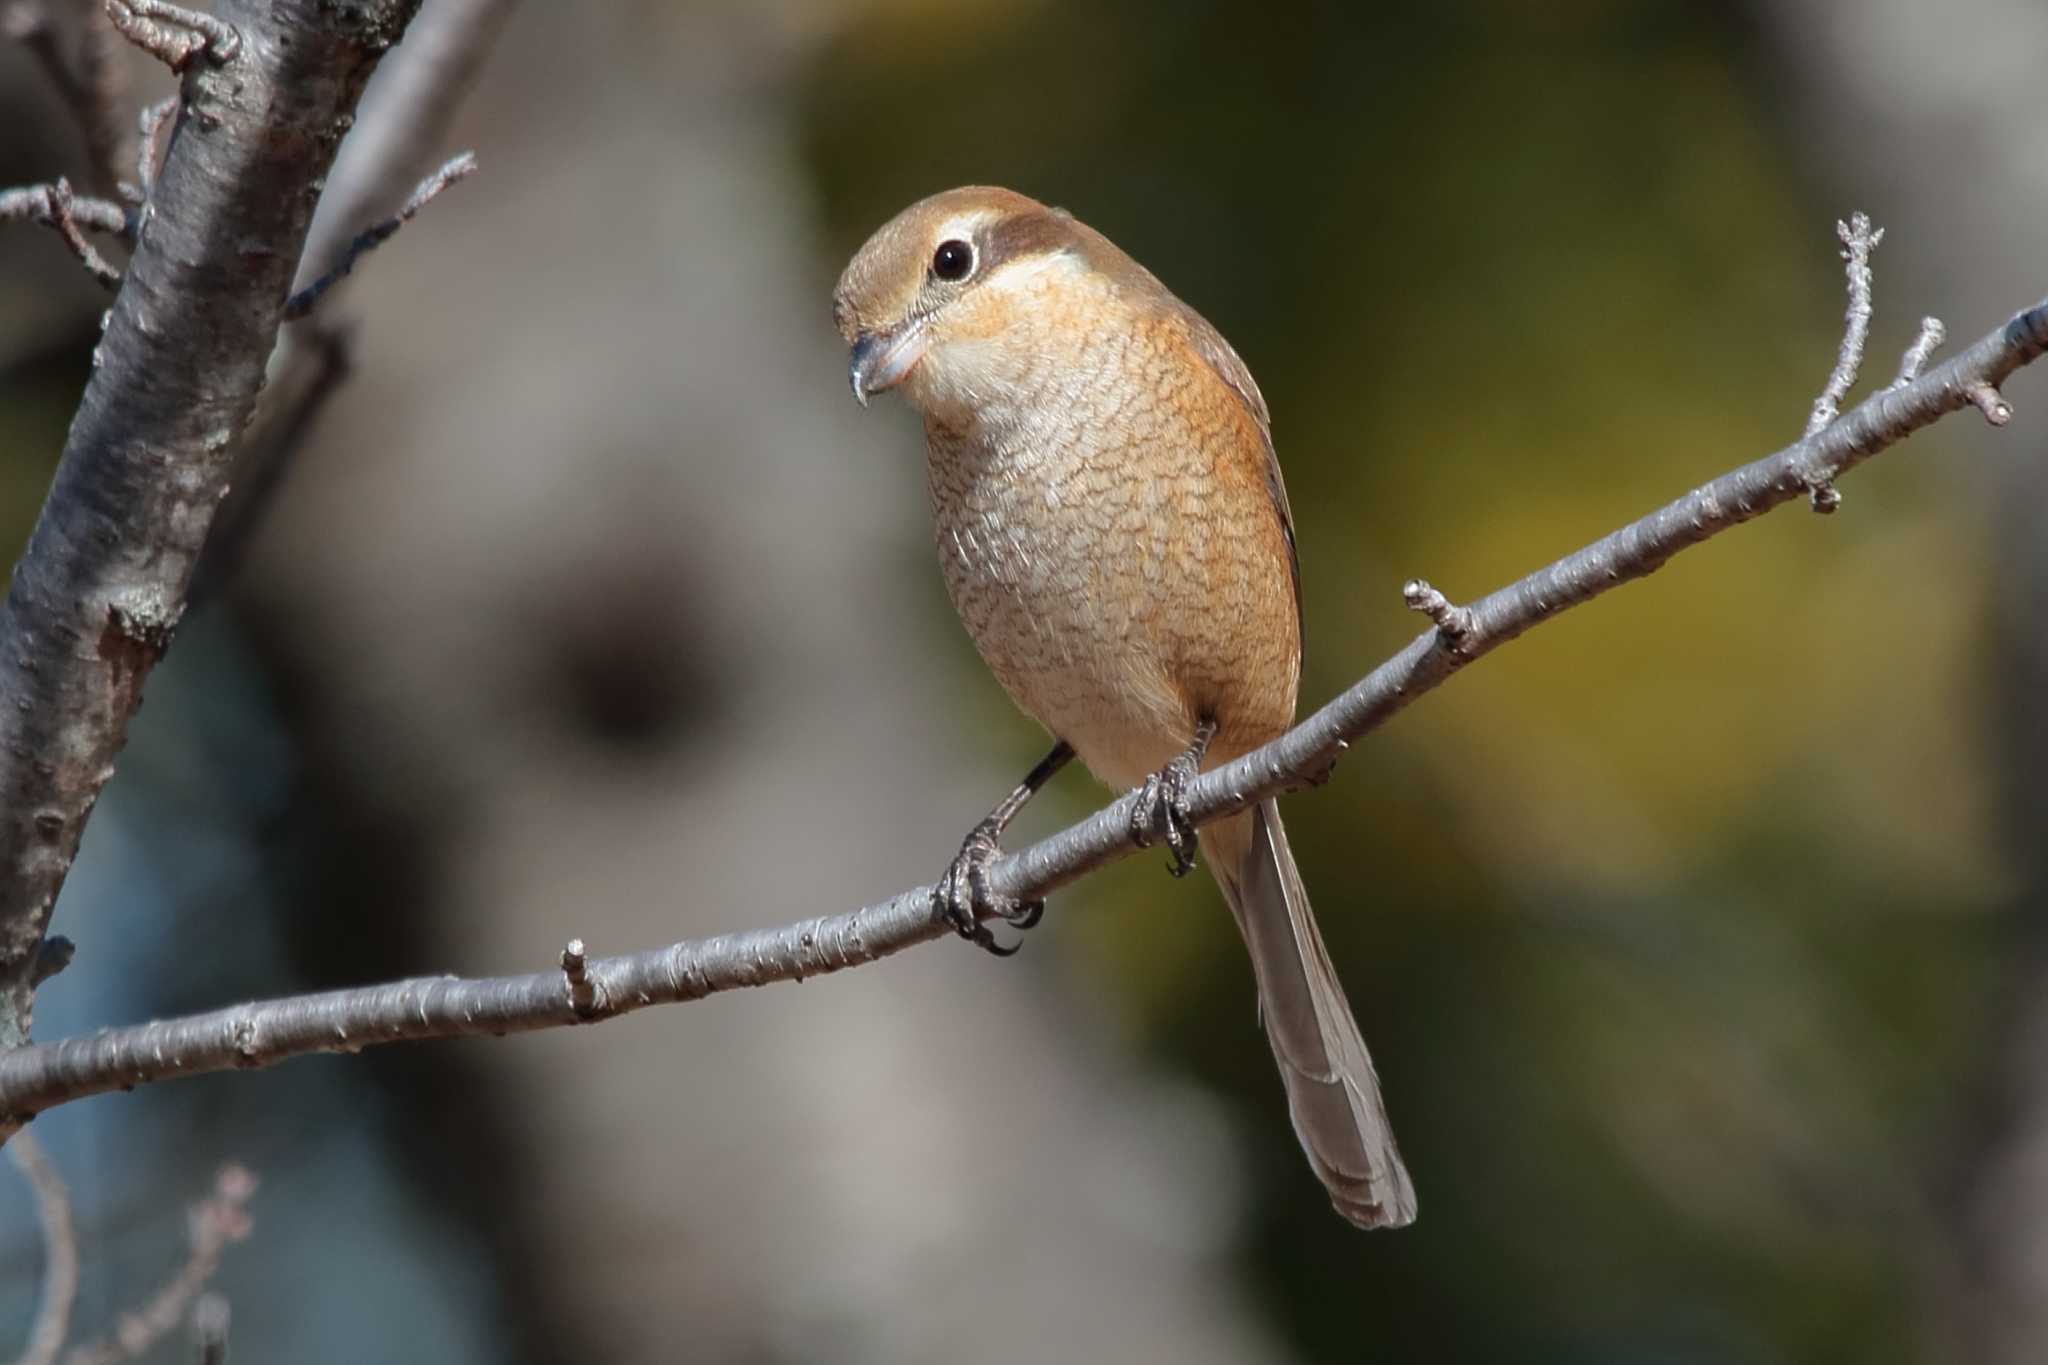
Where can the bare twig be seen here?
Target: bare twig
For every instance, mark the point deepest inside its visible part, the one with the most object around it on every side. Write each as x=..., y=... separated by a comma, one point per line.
x=1989, y=401
x=62, y=202
x=36, y=1077
x=58, y=206
x=216, y=1223
x=1454, y=621
x=37, y=204
x=60, y=1251
x=173, y=34
x=404, y=120
x=95, y=599
x=458, y=168
x=1932, y=334
x=1859, y=239
x=149, y=129
x=404, y=123
x=93, y=84
x=576, y=976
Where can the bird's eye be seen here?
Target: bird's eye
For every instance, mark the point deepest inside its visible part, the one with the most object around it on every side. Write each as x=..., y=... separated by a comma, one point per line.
x=953, y=260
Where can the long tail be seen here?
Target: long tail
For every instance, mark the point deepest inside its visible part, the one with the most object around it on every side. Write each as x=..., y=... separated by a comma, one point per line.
x=1332, y=1092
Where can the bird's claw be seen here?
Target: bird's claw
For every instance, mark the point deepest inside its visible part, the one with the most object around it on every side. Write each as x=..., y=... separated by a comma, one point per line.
x=963, y=896
x=1163, y=809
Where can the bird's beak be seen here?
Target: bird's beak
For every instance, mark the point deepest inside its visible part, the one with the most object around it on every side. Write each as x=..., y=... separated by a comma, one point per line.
x=882, y=360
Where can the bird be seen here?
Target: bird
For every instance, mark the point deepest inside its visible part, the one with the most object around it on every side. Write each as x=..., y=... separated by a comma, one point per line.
x=1115, y=535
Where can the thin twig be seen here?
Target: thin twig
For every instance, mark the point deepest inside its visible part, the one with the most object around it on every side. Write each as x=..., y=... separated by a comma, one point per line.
x=35, y=204
x=57, y=206
x=1454, y=621
x=38, y=1076
x=183, y=353
x=404, y=122
x=458, y=168
x=149, y=129
x=216, y=1223
x=576, y=976
x=1859, y=239
x=1989, y=401
x=60, y=1251
x=173, y=34
x=1932, y=334
x=63, y=217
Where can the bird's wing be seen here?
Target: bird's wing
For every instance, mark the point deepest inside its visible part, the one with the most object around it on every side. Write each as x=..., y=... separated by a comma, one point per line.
x=1217, y=354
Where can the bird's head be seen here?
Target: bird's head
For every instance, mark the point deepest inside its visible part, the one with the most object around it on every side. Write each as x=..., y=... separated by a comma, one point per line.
x=931, y=302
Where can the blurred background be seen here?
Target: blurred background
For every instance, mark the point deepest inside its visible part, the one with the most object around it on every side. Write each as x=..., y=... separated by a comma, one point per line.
x=1697, y=935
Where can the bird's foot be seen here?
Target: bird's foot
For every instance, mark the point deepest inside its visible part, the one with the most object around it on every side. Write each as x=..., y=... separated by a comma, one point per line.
x=1163, y=811
x=963, y=896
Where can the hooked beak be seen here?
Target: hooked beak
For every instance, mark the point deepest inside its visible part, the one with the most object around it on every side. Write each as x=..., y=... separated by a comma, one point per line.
x=882, y=360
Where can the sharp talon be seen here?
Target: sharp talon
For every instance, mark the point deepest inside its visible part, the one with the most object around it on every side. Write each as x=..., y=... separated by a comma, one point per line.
x=986, y=941
x=952, y=901
x=1147, y=813
x=1180, y=829
x=1163, y=805
x=963, y=897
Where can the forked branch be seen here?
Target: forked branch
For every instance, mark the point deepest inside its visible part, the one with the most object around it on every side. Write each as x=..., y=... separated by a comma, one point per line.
x=458, y=168
x=97, y=596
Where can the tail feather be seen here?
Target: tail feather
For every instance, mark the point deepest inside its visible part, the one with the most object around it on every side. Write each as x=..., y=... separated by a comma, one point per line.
x=1333, y=1094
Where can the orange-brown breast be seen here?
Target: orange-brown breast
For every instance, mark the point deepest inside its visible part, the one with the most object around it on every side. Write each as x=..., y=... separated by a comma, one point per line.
x=1106, y=523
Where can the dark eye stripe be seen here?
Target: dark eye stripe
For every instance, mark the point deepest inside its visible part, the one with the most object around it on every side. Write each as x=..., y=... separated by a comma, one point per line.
x=1025, y=234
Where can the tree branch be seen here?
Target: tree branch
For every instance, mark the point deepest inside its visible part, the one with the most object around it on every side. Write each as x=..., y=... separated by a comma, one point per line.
x=149, y=128
x=96, y=597
x=1859, y=240
x=173, y=34
x=583, y=990
x=458, y=168
x=63, y=205
x=404, y=119
x=38, y=204
x=1932, y=334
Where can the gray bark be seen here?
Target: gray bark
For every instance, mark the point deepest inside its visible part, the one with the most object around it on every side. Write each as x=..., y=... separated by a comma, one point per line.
x=98, y=594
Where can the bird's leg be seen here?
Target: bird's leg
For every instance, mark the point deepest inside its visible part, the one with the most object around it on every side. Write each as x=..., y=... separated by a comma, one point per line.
x=963, y=895
x=1164, y=803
